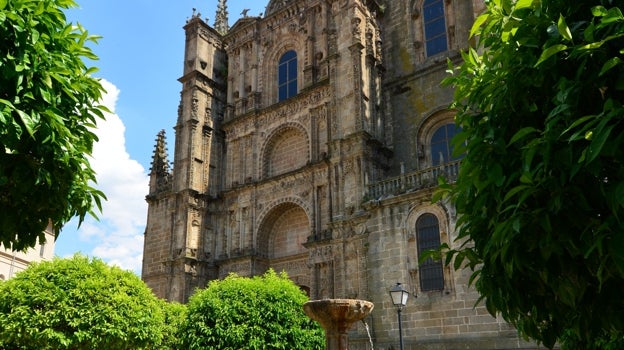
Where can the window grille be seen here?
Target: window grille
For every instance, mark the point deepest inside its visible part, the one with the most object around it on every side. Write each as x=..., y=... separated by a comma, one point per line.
x=431, y=273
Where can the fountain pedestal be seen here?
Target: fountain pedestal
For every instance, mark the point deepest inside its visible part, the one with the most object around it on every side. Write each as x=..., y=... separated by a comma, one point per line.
x=337, y=316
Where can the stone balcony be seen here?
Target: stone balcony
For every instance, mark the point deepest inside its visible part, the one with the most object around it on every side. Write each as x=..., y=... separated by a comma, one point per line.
x=410, y=182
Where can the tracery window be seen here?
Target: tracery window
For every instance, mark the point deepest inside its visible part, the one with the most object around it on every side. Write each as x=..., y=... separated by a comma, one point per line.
x=287, y=75
x=441, y=146
x=431, y=273
x=435, y=27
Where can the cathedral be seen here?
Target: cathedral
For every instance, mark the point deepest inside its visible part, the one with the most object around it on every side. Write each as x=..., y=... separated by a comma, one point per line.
x=310, y=140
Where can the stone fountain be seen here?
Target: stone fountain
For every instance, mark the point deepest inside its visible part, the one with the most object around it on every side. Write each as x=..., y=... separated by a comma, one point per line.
x=337, y=316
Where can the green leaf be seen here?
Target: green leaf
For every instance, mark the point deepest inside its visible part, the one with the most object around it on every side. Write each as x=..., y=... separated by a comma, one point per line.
x=598, y=44
x=507, y=5
x=578, y=122
x=611, y=63
x=613, y=15
x=521, y=134
x=598, y=142
x=564, y=31
x=27, y=122
x=34, y=36
x=599, y=11
x=522, y=4
x=476, y=26
x=549, y=52
x=510, y=194
x=6, y=103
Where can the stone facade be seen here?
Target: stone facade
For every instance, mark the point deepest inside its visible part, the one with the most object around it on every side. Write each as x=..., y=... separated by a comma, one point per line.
x=322, y=166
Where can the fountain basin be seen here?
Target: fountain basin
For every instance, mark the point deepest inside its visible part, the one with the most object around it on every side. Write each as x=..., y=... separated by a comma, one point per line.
x=337, y=316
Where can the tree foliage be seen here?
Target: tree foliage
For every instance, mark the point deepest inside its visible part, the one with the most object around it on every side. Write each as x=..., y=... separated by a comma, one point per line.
x=48, y=110
x=264, y=312
x=175, y=315
x=78, y=303
x=540, y=194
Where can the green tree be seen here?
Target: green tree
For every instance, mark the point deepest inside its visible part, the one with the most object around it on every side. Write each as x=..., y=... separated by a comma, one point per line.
x=175, y=315
x=48, y=110
x=540, y=194
x=263, y=312
x=78, y=303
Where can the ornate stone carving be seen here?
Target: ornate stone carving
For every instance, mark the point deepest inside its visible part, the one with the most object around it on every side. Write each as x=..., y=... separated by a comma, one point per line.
x=194, y=105
x=293, y=268
x=348, y=166
x=356, y=31
x=320, y=255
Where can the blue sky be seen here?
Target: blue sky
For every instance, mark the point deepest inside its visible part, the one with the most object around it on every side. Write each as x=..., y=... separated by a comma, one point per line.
x=140, y=59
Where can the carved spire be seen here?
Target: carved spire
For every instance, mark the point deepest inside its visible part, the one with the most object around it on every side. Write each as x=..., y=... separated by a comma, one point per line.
x=221, y=22
x=160, y=163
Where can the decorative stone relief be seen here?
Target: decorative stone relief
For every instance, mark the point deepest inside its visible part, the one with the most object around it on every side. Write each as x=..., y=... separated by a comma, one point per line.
x=320, y=255
x=292, y=267
x=194, y=105
x=240, y=267
x=356, y=31
x=360, y=229
x=347, y=166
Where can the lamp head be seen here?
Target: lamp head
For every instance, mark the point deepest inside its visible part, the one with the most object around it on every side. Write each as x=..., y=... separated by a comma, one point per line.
x=399, y=295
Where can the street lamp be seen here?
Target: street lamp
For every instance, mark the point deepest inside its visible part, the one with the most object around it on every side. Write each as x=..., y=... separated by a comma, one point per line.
x=399, y=299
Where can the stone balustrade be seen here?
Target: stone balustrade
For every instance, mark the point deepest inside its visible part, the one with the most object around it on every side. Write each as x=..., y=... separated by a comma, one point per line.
x=408, y=182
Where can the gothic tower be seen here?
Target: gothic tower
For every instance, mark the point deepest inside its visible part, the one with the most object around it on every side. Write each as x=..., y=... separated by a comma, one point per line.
x=175, y=260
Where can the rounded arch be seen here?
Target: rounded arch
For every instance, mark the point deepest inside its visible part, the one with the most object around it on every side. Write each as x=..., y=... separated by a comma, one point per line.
x=271, y=61
x=426, y=130
x=443, y=217
x=433, y=120
x=285, y=149
x=441, y=214
x=284, y=226
x=284, y=45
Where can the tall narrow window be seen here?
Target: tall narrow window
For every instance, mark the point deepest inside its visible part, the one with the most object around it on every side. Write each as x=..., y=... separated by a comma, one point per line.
x=287, y=75
x=441, y=146
x=435, y=27
x=428, y=237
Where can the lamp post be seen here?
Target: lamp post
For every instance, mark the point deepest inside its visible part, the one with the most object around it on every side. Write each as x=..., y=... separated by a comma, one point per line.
x=399, y=299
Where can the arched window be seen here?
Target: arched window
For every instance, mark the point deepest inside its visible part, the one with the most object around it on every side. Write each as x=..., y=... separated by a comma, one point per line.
x=435, y=27
x=441, y=146
x=287, y=75
x=431, y=273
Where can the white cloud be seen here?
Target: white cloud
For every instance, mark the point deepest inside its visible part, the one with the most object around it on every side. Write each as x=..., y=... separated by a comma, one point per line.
x=118, y=237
